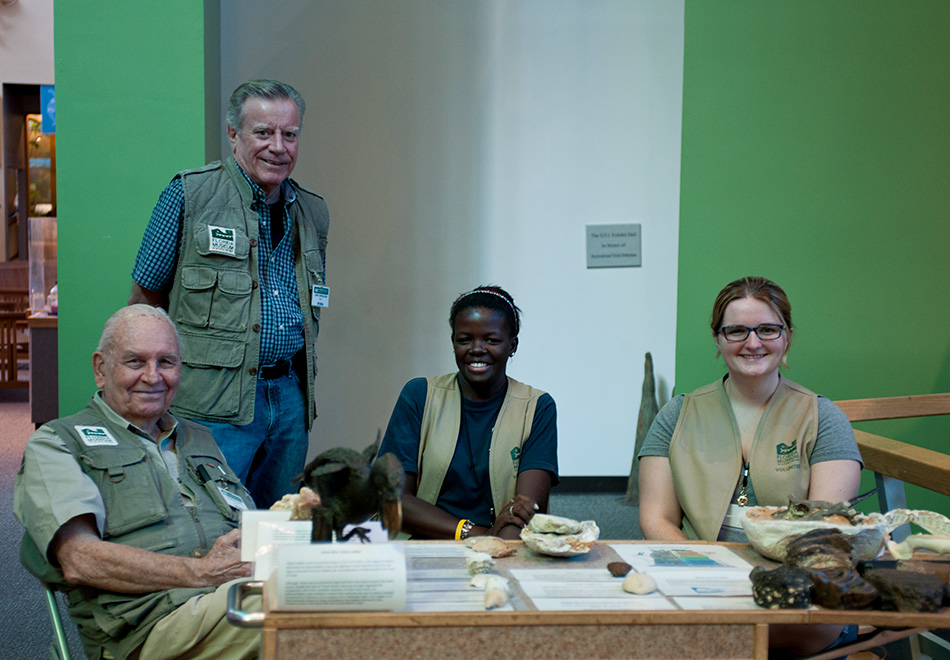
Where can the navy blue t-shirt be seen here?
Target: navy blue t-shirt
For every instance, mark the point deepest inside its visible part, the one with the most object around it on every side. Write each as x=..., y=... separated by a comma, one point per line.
x=466, y=490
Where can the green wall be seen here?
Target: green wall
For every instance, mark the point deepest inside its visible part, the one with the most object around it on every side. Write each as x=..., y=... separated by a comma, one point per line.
x=816, y=152
x=130, y=108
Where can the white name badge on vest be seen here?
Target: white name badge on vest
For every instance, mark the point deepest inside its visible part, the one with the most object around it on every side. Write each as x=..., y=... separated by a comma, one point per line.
x=222, y=240
x=95, y=436
x=320, y=296
x=233, y=500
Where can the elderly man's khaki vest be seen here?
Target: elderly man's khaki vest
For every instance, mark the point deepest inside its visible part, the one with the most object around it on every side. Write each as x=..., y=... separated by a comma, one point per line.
x=216, y=296
x=441, y=421
x=144, y=509
x=706, y=456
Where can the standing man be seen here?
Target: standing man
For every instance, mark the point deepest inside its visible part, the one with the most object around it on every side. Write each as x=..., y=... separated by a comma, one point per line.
x=236, y=253
x=134, y=513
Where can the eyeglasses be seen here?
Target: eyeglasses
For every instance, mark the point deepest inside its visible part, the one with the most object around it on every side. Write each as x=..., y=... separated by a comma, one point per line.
x=765, y=332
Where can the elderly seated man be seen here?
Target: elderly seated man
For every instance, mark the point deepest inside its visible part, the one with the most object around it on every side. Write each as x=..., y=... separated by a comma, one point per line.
x=133, y=513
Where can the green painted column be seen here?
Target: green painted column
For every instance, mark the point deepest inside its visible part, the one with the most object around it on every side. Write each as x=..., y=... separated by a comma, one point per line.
x=815, y=152
x=130, y=97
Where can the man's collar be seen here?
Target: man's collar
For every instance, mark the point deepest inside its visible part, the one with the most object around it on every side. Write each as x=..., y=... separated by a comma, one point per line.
x=166, y=424
x=287, y=191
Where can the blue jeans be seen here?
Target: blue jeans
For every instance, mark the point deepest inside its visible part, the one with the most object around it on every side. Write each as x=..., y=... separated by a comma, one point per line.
x=271, y=451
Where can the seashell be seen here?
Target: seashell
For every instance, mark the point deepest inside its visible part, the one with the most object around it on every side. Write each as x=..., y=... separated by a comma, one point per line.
x=562, y=545
x=639, y=583
x=931, y=521
x=905, y=549
x=619, y=568
x=491, y=545
x=478, y=562
x=497, y=589
x=770, y=536
x=543, y=523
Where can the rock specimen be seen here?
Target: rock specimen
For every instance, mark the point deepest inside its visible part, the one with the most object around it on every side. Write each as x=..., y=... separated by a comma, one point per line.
x=619, y=568
x=836, y=589
x=820, y=549
x=783, y=587
x=906, y=591
x=639, y=583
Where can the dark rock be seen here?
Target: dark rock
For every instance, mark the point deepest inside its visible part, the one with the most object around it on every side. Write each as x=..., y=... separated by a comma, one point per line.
x=842, y=590
x=783, y=587
x=907, y=591
x=820, y=549
x=619, y=568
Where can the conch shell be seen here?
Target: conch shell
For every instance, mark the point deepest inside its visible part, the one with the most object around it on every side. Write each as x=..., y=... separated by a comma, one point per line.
x=490, y=545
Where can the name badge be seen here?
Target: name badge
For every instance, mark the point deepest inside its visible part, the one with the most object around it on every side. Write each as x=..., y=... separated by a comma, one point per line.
x=222, y=240
x=320, y=296
x=95, y=436
x=232, y=499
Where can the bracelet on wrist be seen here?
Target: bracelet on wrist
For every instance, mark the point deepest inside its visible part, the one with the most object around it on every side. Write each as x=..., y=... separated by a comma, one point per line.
x=464, y=529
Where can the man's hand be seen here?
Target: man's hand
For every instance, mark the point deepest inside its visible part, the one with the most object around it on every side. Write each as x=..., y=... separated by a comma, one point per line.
x=223, y=563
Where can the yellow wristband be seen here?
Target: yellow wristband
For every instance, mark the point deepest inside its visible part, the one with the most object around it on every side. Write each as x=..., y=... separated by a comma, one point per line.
x=458, y=529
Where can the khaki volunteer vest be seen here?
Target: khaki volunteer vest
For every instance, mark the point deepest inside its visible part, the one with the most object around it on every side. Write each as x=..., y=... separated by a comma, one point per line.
x=706, y=456
x=441, y=422
x=216, y=296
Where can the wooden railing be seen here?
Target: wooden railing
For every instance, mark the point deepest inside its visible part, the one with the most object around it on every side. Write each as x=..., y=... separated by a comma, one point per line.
x=895, y=462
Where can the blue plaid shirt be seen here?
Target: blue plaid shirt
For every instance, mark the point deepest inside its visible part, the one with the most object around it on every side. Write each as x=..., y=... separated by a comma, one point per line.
x=281, y=317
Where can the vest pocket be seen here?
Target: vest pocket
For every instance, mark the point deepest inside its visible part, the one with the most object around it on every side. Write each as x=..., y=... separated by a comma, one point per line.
x=209, y=387
x=198, y=284
x=212, y=477
x=129, y=488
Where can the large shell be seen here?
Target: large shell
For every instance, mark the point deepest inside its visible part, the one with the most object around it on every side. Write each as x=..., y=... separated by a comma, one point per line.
x=491, y=545
x=562, y=545
x=770, y=536
x=543, y=523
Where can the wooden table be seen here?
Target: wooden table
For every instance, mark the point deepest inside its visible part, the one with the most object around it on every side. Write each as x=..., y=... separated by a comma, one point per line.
x=529, y=633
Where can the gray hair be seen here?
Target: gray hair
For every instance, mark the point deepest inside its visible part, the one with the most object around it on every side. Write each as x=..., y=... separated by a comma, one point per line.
x=140, y=310
x=263, y=89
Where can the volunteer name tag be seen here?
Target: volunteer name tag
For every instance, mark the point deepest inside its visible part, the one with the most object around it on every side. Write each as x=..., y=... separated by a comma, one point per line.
x=320, y=296
x=222, y=240
x=95, y=436
x=232, y=499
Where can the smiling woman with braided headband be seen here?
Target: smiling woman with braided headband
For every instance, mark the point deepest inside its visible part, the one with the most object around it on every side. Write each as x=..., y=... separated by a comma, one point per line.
x=479, y=448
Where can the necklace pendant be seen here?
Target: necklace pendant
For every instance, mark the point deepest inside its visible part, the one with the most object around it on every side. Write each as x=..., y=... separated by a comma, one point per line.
x=742, y=500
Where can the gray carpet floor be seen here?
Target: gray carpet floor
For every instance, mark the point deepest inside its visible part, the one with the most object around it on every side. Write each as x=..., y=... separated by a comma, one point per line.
x=25, y=630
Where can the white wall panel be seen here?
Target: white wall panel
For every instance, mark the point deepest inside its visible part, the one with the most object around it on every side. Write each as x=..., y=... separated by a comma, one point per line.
x=468, y=143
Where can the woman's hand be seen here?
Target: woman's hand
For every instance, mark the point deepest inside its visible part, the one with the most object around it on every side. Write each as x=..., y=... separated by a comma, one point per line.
x=518, y=513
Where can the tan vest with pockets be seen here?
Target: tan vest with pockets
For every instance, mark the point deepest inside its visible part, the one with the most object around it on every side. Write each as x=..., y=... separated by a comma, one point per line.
x=706, y=456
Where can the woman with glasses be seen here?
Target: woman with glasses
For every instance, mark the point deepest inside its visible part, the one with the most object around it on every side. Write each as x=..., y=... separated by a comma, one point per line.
x=752, y=437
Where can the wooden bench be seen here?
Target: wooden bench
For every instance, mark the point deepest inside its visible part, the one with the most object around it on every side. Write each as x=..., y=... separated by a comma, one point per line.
x=894, y=462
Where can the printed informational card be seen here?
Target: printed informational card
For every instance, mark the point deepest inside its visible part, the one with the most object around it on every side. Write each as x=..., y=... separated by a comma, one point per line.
x=338, y=577
x=694, y=556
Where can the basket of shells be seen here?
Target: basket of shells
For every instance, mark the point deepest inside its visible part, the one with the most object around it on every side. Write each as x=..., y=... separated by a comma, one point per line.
x=770, y=528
